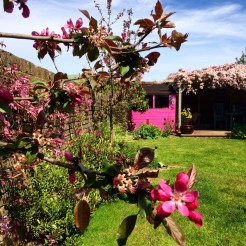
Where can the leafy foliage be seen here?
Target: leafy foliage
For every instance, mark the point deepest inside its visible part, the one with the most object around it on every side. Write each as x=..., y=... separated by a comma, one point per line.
x=239, y=132
x=147, y=131
x=241, y=59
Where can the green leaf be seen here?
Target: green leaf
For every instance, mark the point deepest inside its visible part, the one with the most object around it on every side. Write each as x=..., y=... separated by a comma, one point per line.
x=78, y=37
x=93, y=53
x=39, y=82
x=110, y=169
x=116, y=38
x=125, y=229
x=4, y=108
x=144, y=205
x=124, y=70
x=30, y=156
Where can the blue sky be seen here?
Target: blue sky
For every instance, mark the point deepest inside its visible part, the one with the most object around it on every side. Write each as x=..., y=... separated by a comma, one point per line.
x=216, y=31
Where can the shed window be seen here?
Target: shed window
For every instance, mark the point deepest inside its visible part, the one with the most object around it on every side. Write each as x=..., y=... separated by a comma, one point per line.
x=150, y=100
x=161, y=101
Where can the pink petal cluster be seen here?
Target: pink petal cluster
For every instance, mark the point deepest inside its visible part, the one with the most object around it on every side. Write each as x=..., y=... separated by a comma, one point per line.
x=77, y=25
x=72, y=175
x=180, y=198
x=72, y=28
x=45, y=47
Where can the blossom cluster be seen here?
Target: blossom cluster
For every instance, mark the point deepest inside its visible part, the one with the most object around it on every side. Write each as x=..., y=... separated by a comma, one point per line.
x=5, y=227
x=233, y=75
x=181, y=198
x=126, y=183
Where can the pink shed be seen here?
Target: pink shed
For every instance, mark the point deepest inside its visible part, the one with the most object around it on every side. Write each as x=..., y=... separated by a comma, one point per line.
x=162, y=106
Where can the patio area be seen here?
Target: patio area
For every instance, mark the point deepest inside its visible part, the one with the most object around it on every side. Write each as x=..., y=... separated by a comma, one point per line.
x=207, y=133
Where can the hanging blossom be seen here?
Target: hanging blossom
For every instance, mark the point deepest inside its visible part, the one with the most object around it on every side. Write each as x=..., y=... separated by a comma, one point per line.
x=233, y=75
x=45, y=47
x=9, y=7
x=180, y=198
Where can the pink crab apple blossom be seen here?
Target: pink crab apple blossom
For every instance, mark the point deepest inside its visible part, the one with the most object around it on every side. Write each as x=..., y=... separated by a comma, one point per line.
x=46, y=47
x=71, y=25
x=6, y=96
x=180, y=198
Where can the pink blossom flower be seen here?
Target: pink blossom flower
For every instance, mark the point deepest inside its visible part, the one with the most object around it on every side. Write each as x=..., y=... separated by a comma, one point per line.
x=68, y=155
x=6, y=96
x=25, y=9
x=72, y=177
x=123, y=36
x=10, y=8
x=177, y=198
x=77, y=25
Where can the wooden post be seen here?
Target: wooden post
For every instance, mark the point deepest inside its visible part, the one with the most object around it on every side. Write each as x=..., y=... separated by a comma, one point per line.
x=179, y=107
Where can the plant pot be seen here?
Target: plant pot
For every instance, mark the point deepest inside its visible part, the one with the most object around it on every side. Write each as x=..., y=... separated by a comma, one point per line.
x=187, y=129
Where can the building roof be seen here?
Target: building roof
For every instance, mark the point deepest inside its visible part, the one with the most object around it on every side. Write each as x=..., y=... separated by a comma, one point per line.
x=155, y=88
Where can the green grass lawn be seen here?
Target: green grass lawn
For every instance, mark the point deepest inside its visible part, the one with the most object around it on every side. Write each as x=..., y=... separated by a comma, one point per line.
x=221, y=166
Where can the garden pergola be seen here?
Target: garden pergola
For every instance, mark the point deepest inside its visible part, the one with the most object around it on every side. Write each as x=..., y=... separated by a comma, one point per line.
x=228, y=75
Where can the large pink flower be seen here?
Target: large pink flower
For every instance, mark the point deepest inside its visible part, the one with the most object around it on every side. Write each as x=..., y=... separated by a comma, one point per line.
x=180, y=198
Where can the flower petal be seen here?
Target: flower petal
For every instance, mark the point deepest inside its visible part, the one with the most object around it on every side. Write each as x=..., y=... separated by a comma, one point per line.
x=190, y=196
x=183, y=209
x=155, y=195
x=160, y=212
x=196, y=217
x=163, y=196
x=168, y=207
x=192, y=205
x=166, y=188
x=181, y=184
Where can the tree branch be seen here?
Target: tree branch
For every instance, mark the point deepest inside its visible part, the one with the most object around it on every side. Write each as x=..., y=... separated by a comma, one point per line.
x=80, y=167
x=31, y=37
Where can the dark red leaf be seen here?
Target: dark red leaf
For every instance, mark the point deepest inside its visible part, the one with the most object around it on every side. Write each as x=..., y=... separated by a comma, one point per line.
x=103, y=194
x=93, y=23
x=174, y=230
x=98, y=65
x=158, y=9
x=152, y=57
x=192, y=174
x=147, y=173
x=59, y=76
x=82, y=214
x=85, y=13
x=103, y=74
x=41, y=120
x=144, y=23
x=143, y=158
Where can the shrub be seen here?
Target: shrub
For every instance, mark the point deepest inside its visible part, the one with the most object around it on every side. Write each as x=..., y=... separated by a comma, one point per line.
x=40, y=205
x=239, y=132
x=147, y=132
x=40, y=201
